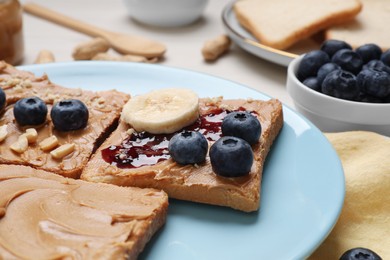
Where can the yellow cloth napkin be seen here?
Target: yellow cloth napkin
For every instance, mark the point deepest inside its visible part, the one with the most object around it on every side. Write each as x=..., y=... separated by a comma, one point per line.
x=365, y=218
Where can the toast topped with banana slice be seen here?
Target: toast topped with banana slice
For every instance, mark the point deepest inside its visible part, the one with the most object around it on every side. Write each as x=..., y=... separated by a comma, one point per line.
x=208, y=150
x=50, y=127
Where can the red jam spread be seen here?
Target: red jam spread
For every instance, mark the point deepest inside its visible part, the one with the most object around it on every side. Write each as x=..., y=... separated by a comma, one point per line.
x=142, y=149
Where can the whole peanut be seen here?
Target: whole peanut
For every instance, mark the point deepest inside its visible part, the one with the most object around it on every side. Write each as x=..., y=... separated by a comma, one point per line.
x=86, y=50
x=214, y=48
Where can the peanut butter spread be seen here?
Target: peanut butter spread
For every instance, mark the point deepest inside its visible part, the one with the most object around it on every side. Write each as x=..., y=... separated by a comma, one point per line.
x=46, y=216
x=104, y=110
x=197, y=182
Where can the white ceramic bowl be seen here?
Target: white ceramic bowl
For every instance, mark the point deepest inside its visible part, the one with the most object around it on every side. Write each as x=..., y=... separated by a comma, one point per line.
x=166, y=13
x=335, y=115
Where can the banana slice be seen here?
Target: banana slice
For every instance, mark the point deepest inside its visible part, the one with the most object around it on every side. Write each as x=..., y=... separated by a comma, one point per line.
x=162, y=111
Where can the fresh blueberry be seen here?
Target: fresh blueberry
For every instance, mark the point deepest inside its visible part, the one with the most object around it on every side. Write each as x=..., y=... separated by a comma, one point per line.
x=68, y=115
x=385, y=57
x=188, y=147
x=310, y=64
x=386, y=99
x=360, y=253
x=325, y=70
x=243, y=125
x=369, y=52
x=378, y=65
x=348, y=60
x=374, y=82
x=30, y=111
x=312, y=83
x=3, y=99
x=364, y=97
x=231, y=157
x=340, y=84
x=333, y=46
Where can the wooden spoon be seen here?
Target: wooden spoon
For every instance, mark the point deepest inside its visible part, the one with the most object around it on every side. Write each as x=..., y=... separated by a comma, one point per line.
x=122, y=43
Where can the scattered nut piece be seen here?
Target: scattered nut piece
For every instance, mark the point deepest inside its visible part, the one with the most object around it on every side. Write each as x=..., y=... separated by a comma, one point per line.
x=133, y=58
x=27, y=83
x=20, y=145
x=86, y=50
x=3, y=132
x=130, y=131
x=49, y=143
x=101, y=100
x=31, y=134
x=214, y=48
x=13, y=82
x=62, y=151
x=44, y=56
x=18, y=89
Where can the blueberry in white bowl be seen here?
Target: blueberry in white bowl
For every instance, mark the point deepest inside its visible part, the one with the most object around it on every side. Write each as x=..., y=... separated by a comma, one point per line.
x=313, y=83
x=325, y=70
x=385, y=57
x=333, y=46
x=69, y=115
x=311, y=62
x=242, y=124
x=378, y=65
x=188, y=147
x=369, y=52
x=31, y=111
x=348, y=60
x=340, y=84
x=231, y=157
x=374, y=82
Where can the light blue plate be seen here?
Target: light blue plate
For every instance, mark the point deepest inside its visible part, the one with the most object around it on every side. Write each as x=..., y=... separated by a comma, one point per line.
x=303, y=184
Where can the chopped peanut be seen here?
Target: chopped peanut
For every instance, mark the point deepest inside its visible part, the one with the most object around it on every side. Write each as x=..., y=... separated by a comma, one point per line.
x=3, y=132
x=62, y=151
x=20, y=145
x=31, y=134
x=49, y=143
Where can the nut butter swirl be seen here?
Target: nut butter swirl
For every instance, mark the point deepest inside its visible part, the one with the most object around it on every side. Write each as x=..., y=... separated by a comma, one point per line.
x=45, y=216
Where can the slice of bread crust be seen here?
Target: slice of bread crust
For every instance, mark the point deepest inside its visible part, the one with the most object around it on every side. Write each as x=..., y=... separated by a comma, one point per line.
x=47, y=216
x=280, y=24
x=18, y=84
x=104, y=111
x=370, y=26
x=197, y=183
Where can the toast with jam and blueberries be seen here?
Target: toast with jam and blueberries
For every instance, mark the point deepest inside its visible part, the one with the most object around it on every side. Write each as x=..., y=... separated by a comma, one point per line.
x=50, y=127
x=207, y=150
x=47, y=216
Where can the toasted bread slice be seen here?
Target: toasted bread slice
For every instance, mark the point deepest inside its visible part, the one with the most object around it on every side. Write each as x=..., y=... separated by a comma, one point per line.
x=197, y=182
x=280, y=24
x=104, y=111
x=46, y=216
x=18, y=84
x=370, y=26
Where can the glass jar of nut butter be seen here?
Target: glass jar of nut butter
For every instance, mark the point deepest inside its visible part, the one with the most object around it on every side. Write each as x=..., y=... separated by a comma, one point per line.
x=11, y=32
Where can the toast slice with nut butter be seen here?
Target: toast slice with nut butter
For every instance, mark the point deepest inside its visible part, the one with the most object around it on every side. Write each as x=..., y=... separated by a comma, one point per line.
x=51, y=148
x=47, y=216
x=131, y=157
